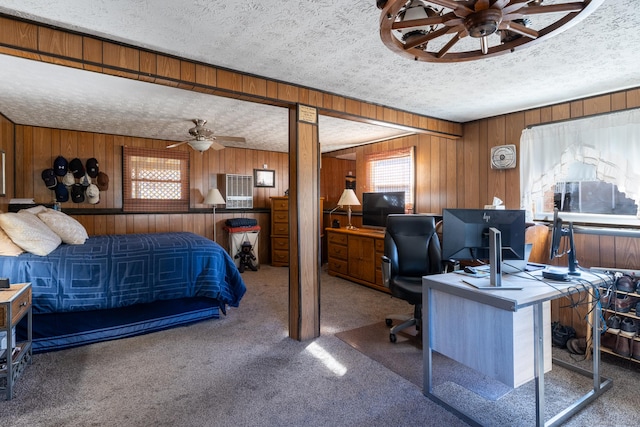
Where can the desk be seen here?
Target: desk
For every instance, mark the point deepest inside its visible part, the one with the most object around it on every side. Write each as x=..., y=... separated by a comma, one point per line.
x=450, y=293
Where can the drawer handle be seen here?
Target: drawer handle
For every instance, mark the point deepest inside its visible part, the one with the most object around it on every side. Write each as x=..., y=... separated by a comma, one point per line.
x=23, y=304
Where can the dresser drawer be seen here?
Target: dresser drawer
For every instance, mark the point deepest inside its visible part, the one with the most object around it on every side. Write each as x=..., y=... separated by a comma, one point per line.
x=280, y=205
x=280, y=243
x=279, y=257
x=380, y=245
x=338, y=266
x=21, y=305
x=280, y=228
x=18, y=307
x=338, y=251
x=280, y=216
x=338, y=238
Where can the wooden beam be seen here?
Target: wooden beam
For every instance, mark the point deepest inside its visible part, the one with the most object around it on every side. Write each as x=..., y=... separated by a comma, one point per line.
x=304, y=223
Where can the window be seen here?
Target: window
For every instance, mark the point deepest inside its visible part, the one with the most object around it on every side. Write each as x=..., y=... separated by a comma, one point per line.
x=155, y=180
x=392, y=171
x=587, y=168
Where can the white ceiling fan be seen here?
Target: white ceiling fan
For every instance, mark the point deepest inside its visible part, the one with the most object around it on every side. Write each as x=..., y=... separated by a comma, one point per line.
x=203, y=138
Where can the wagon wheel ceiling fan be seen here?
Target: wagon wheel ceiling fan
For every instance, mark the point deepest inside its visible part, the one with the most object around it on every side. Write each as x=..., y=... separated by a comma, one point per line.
x=203, y=138
x=435, y=30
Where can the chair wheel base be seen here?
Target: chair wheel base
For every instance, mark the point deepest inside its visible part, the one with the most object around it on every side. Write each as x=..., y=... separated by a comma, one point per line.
x=393, y=338
x=388, y=322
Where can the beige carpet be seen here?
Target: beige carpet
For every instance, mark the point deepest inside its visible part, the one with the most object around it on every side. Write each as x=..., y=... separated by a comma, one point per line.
x=405, y=359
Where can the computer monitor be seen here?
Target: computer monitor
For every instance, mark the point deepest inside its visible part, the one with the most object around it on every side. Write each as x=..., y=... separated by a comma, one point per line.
x=377, y=206
x=465, y=233
x=558, y=231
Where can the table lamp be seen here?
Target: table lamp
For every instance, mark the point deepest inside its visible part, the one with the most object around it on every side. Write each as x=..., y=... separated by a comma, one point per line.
x=214, y=198
x=349, y=198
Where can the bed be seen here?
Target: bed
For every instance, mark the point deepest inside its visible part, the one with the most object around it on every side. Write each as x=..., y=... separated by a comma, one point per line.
x=115, y=286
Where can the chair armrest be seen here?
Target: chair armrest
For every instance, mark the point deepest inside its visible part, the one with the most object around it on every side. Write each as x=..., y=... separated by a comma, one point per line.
x=386, y=271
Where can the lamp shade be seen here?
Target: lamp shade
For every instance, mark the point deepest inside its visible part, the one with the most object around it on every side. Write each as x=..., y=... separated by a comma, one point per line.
x=214, y=197
x=348, y=198
x=201, y=145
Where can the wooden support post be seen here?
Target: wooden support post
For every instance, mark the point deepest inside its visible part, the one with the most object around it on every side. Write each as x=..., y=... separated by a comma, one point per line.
x=304, y=223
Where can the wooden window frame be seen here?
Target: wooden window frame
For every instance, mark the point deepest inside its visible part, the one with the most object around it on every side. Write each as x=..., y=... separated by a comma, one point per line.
x=130, y=204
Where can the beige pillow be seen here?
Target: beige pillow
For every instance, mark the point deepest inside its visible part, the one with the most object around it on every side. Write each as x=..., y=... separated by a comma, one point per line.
x=34, y=210
x=28, y=232
x=68, y=228
x=7, y=247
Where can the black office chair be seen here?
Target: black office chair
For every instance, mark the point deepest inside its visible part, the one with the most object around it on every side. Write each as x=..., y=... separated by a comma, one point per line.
x=411, y=250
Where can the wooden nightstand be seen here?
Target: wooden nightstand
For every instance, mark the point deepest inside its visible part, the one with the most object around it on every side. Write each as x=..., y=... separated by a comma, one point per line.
x=15, y=303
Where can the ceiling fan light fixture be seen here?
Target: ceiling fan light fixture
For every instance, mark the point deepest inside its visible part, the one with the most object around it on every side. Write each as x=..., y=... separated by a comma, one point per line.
x=406, y=26
x=200, y=145
x=416, y=9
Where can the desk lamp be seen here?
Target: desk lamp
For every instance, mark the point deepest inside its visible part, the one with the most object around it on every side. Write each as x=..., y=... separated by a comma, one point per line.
x=214, y=198
x=349, y=198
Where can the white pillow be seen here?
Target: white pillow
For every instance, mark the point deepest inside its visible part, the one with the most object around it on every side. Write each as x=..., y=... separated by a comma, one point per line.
x=28, y=232
x=7, y=247
x=68, y=228
x=34, y=210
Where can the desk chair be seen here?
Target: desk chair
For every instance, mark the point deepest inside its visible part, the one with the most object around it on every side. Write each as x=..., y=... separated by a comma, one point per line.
x=411, y=250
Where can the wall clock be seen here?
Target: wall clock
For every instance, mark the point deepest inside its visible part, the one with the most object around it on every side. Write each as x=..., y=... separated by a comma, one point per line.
x=503, y=157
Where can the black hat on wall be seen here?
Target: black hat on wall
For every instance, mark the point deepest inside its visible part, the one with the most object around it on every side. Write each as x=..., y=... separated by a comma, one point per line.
x=49, y=178
x=92, y=167
x=77, y=193
x=76, y=167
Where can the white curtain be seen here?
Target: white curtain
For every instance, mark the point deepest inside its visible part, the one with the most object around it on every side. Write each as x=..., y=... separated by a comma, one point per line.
x=609, y=143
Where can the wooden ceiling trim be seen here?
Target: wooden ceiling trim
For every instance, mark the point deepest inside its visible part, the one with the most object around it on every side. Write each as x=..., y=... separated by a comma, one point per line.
x=20, y=38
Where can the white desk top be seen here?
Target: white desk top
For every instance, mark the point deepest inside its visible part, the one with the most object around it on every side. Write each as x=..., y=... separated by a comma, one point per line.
x=535, y=289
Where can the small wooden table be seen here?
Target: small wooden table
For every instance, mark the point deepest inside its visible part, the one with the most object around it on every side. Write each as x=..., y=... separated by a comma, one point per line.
x=15, y=304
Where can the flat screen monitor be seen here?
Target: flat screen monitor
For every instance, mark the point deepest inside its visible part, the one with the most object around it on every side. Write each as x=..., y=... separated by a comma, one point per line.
x=558, y=231
x=377, y=206
x=465, y=233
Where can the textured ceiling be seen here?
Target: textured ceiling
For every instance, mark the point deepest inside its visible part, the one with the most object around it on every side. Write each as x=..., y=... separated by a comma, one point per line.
x=323, y=44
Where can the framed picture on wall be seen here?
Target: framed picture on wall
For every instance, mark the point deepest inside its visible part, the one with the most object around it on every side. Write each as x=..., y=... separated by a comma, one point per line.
x=264, y=178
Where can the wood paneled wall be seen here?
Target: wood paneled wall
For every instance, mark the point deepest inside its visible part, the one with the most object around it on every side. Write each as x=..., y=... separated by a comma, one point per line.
x=436, y=171
x=7, y=130
x=37, y=147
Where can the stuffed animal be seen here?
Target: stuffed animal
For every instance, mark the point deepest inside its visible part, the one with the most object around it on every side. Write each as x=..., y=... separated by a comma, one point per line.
x=247, y=258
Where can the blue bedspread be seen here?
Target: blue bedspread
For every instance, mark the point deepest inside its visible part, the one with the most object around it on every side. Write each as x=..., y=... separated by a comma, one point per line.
x=122, y=270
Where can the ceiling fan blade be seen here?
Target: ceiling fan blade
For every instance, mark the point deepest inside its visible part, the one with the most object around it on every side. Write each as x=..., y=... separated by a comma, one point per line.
x=454, y=22
x=231, y=138
x=216, y=145
x=449, y=45
x=461, y=9
x=553, y=8
x=177, y=144
x=424, y=22
x=500, y=4
x=519, y=29
x=422, y=39
x=515, y=6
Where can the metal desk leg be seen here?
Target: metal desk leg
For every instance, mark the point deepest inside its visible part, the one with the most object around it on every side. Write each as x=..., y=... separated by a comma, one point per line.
x=538, y=361
x=427, y=360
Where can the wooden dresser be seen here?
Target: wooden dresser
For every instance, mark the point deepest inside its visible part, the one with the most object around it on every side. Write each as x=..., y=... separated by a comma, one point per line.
x=356, y=255
x=280, y=230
